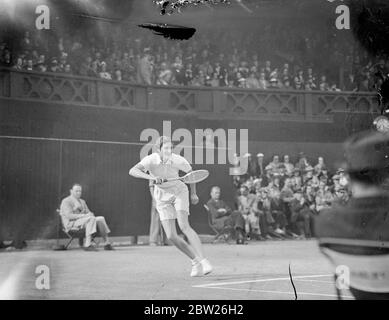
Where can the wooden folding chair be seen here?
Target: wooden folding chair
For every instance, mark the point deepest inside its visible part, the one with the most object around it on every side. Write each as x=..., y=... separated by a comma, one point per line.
x=71, y=234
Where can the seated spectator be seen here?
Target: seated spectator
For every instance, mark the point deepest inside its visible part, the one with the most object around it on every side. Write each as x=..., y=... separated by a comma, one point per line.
x=301, y=215
x=54, y=65
x=286, y=197
x=41, y=59
x=266, y=220
x=178, y=74
x=307, y=175
x=252, y=82
x=324, y=197
x=297, y=180
x=19, y=64
x=309, y=195
x=302, y=163
x=274, y=165
x=165, y=75
x=277, y=211
x=68, y=69
x=215, y=82
x=350, y=83
x=76, y=214
x=246, y=203
x=323, y=85
x=311, y=77
x=287, y=85
x=5, y=59
x=118, y=75
x=145, y=68
x=188, y=75
x=199, y=79
x=334, y=87
x=104, y=74
x=267, y=69
x=263, y=84
x=341, y=196
x=260, y=173
x=240, y=80
x=85, y=66
x=320, y=166
x=41, y=67
x=299, y=82
x=289, y=167
x=273, y=83
x=223, y=217
x=252, y=169
x=29, y=66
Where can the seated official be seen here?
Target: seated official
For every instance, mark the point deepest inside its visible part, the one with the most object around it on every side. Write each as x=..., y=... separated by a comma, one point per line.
x=76, y=214
x=222, y=215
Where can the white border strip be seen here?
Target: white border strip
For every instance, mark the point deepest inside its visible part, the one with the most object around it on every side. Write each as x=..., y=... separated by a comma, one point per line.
x=283, y=292
x=259, y=280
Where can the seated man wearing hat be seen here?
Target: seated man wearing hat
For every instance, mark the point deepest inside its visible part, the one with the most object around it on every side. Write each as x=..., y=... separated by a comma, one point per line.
x=355, y=235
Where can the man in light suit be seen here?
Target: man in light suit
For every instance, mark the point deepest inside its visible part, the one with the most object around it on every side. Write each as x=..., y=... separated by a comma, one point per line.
x=76, y=214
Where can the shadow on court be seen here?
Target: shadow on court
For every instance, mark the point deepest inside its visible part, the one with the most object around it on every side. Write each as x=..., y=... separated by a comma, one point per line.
x=255, y=271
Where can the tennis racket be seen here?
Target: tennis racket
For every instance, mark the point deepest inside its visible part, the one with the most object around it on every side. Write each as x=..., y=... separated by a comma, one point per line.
x=191, y=177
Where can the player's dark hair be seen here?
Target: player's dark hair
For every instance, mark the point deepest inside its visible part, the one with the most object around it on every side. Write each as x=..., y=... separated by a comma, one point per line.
x=161, y=141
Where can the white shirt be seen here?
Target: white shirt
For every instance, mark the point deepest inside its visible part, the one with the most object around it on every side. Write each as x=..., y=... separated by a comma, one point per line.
x=167, y=169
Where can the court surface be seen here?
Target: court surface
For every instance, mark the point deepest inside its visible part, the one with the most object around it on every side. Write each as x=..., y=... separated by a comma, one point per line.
x=257, y=271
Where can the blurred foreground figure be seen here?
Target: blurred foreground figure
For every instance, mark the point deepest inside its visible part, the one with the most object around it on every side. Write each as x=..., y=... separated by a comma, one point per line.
x=355, y=236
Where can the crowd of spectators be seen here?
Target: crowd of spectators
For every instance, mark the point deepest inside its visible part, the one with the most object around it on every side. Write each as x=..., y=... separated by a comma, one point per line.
x=279, y=200
x=274, y=58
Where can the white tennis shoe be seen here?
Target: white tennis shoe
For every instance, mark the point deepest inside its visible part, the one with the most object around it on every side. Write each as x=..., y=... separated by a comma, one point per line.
x=197, y=270
x=207, y=267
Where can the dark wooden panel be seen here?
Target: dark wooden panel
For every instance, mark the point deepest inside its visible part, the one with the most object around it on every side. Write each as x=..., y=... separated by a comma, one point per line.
x=29, y=187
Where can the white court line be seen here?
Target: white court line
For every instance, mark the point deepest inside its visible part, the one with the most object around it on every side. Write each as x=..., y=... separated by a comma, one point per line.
x=309, y=280
x=259, y=280
x=283, y=292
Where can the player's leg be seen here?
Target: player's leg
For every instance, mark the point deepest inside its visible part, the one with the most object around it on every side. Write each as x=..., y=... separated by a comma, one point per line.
x=169, y=225
x=194, y=240
x=181, y=205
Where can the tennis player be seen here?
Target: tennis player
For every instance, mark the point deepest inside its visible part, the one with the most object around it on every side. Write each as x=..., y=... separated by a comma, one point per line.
x=172, y=200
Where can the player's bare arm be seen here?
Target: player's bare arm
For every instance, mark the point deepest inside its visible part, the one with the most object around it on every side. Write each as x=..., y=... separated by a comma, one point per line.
x=139, y=171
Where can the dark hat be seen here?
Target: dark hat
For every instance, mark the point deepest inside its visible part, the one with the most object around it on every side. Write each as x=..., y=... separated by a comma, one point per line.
x=368, y=150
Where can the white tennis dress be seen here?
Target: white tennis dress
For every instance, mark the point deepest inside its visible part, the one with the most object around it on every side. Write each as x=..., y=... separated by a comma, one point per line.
x=173, y=196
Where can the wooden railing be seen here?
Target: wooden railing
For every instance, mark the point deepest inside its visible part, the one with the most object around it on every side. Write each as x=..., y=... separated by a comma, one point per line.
x=217, y=103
